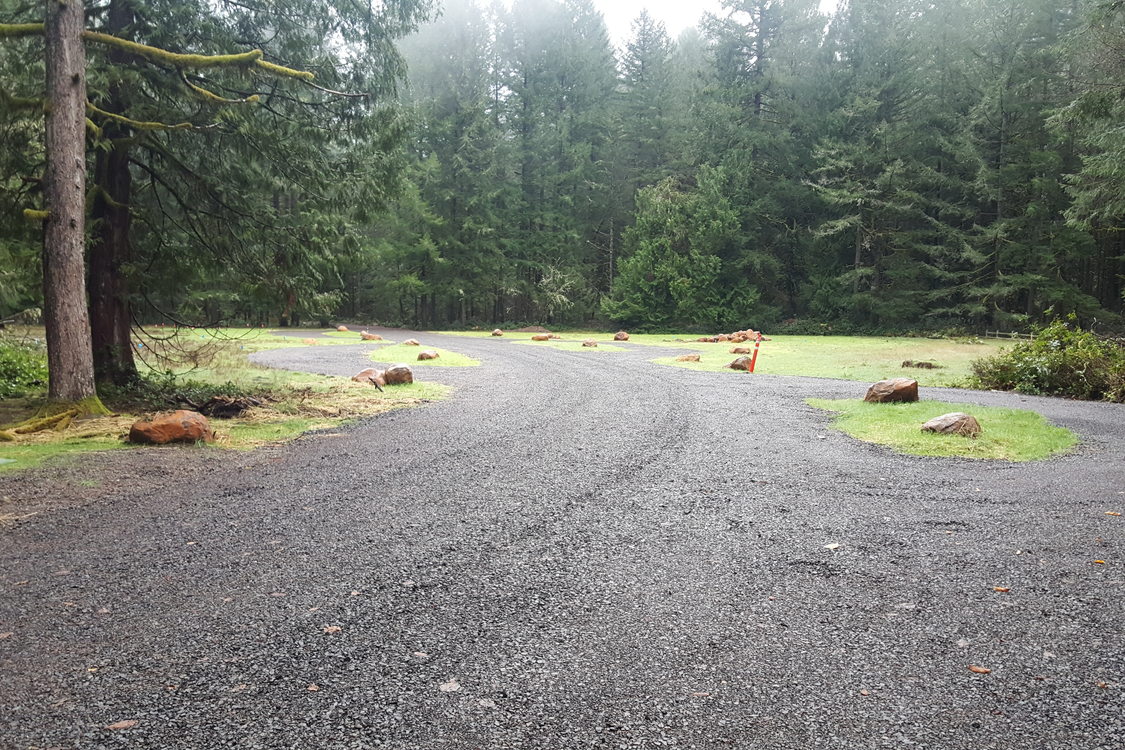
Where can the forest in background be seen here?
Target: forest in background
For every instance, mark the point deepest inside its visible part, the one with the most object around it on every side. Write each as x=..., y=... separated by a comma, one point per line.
x=903, y=165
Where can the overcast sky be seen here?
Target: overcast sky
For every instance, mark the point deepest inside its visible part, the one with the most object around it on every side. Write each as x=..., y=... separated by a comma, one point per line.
x=677, y=15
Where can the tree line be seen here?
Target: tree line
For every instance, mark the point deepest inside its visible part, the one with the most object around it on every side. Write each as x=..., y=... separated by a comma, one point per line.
x=900, y=164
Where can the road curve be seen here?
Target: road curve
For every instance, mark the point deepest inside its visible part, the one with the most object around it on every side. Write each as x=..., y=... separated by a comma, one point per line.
x=582, y=550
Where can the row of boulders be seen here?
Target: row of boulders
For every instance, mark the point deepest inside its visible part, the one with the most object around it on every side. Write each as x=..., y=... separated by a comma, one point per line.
x=737, y=337
x=542, y=334
x=905, y=390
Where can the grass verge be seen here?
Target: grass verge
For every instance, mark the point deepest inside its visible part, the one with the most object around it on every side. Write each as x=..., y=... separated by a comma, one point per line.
x=409, y=355
x=1006, y=434
x=292, y=402
x=862, y=358
x=846, y=357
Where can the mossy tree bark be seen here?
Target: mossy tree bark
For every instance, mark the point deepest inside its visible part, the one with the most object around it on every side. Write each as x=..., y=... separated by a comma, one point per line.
x=69, y=355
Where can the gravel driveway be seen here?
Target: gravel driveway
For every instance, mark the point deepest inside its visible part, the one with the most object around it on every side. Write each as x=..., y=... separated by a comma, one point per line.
x=581, y=550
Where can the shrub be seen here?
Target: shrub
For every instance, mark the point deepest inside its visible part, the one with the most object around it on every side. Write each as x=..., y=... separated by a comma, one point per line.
x=1061, y=360
x=166, y=390
x=23, y=368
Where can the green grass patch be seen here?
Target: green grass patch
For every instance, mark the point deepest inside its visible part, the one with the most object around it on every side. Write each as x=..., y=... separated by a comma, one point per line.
x=1006, y=434
x=846, y=357
x=27, y=455
x=409, y=355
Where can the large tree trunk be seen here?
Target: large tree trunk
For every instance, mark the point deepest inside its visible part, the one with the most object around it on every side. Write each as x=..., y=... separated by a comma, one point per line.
x=110, y=314
x=69, y=355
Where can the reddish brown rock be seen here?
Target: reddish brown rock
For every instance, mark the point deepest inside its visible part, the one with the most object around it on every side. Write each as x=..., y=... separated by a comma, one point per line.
x=541, y=337
x=370, y=336
x=342, y=329
x=742, y=363
x=590, y=342
x=954, y=423
x=497, y=332
x=688, y=358
x=428, y=354
x=724, y=337
x=895, y=390
x=621, y=336
x=398, y=375
x=370, y=375
x=411, y=342
x=740, y=350
x=176, y=427
x=310, y=342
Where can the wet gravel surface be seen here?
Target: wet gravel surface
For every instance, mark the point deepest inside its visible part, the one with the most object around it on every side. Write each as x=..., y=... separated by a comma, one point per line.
x=581, y=550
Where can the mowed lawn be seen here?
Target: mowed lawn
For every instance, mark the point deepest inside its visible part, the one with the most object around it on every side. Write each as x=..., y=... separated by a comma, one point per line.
x=862, y=358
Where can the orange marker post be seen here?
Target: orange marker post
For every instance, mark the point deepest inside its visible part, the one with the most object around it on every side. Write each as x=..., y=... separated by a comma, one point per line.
x=754, y=359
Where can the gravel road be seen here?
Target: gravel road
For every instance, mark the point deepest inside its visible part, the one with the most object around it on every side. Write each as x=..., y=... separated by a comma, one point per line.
x=581, y=550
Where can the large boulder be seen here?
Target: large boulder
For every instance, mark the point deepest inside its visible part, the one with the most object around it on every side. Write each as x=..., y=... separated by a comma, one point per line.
x=895, y=390
x=497, y=332
x=954, y=423
x=176, y=427
x=411, y=342
x=541, y=337
x=370, y=375
x=427, y=354
x=688, y=358
x=342, y=329
x=740, y=350
x=370, y=336
x=310, y=342
x=621, y=336
x=590, y=343
x=398, y=375
x=742, y=363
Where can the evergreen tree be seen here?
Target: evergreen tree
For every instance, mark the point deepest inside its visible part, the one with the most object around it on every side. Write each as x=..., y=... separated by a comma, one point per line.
x=680, y=258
